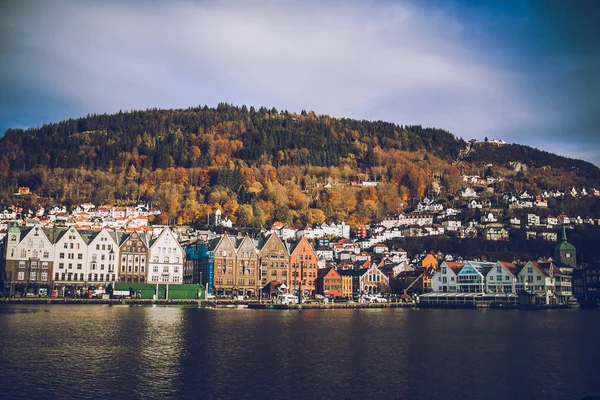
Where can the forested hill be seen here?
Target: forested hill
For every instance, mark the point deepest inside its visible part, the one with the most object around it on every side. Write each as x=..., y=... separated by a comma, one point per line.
x=259, y=165
x=193, y=137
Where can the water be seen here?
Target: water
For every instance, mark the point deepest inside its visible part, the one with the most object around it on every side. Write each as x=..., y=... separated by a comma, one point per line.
x=73, y=351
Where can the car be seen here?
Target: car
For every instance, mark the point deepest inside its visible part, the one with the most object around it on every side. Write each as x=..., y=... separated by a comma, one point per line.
x=319, y=296
x=30, y=295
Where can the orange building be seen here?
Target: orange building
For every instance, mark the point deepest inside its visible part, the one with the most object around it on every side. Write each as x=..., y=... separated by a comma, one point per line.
x=329, y=282
x=303, y=266
x=429, y=261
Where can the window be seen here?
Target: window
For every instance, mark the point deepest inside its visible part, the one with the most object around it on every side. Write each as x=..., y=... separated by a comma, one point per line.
x=45, y=265
x=155, y=268
x=21, y=276
x=80, y=256
x=79, y=266
x=46, y=254
x=61, y=265
x=498, y=270
x=166, y=269
x=44, y=276
x=61, y=255
x=21, y=264
x=539, y=278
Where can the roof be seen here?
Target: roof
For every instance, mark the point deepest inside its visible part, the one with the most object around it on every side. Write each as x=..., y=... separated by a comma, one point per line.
x=564, y=245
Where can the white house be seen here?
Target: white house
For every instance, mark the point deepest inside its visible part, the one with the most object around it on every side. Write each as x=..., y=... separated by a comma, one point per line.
x=471, y=278
x=533, y=220
x=166, y=259
x=103, y=256
x=445, y=278
x=468, y=193
x=70, y=259
x=502, y=278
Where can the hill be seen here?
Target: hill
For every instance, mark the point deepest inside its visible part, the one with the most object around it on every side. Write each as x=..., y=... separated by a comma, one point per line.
x=258, y=165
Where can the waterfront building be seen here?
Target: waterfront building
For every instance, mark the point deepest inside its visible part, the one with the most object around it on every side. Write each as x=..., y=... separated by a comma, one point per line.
x=134, y=251
x=274, y=260
x=70, y=260
x=224, y=261
x=103, y=256
x=471, y=278
x=246, y=267
x=198, y=266
x=329, y=282
x=303, y=266
x=586, y=284
x=445, y=278
x=29, y=261
x=165, y=259
x=545, y=281
x=502, y=278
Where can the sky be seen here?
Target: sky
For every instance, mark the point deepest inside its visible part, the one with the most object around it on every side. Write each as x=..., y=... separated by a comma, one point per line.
x=522, y=71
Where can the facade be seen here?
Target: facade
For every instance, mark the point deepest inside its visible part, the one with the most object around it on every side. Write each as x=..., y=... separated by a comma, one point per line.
x=133, y=260
x=224, y=262
x=70, y=260
x=471, y=278
x=373, y=280
x=303, y=267
x=445, y=278
x=329, y=283
x=274, y=261
x=165, y=260
x=29, y=261
x=103, y=256
x=502, y=278
x=246, y=267
x=586, y=284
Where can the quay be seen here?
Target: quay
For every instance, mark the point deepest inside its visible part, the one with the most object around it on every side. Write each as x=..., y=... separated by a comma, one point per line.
x=213, y=303
x=443, y=302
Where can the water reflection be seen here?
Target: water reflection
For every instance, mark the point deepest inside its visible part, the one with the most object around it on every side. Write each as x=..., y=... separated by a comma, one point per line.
x=177, y=352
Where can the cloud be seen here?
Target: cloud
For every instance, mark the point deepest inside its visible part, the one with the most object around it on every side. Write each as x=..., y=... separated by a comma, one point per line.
x=404, y=62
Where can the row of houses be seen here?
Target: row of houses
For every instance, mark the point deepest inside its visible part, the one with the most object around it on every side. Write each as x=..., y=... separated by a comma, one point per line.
x=67, y=261
x=543, y=279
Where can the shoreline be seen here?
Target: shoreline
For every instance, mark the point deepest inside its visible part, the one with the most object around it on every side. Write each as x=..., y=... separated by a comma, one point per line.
x=265, y=306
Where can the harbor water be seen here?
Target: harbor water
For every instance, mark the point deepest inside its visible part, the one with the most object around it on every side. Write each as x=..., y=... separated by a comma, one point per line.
x=154, y=352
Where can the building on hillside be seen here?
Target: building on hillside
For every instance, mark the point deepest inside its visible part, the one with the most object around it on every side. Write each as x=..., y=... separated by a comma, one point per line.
x=429, y=261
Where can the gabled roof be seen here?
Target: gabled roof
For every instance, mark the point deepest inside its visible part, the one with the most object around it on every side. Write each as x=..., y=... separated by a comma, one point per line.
x=324, y=271
x=352, y=272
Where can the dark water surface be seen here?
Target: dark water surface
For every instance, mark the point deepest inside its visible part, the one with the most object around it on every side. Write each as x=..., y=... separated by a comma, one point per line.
x=72, y=351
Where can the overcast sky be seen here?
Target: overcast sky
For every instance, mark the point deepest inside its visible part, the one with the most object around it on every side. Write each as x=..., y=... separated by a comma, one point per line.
x=522, y=71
